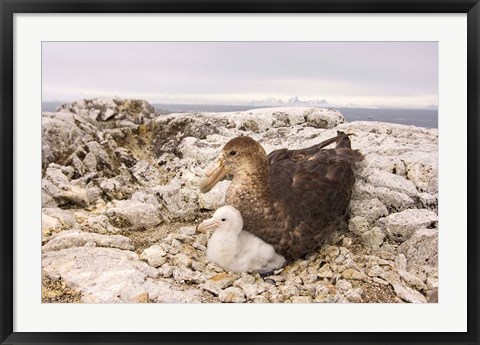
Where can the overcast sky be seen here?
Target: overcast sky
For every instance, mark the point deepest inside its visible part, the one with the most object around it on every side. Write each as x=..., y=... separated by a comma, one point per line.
x=371, y=74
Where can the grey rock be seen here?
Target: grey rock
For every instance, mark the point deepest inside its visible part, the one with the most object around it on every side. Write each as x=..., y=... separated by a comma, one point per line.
x=432, y=282
x=324, y=118
x=133, y=213
x=116, y=187
x=252, y=290
x=330, y=251
x=401, y=261
x=385, y=179
x=183, y=274
x=146, y=174
x=392, y=200
x=354, y=295
x=107, y=114
x=374, y=270
x=60, y=190
x=102, y=275
x=99, y=224
x=343, y=285
x=49, y=224
x=353, y=274
x=424, y=176
x=325, y=272
x=77, y=238
x=187, y=230
x=373, y=238
x=154, y=255
x=301, y=299
x=371, y=209
x=211, y=287
x=412, y=279
x=358, y=225
x=55, y=219
x=401, y=226
x=259, y=299
x=422, y=247
x=166, y=271
x=181, y=260
x=164, y=292
x=61, y=134
x=223, y=280
x=288, y=290
x=408, y=294
x=231, y=295
x=245, y=279
x=215, y=198
x=179, y=203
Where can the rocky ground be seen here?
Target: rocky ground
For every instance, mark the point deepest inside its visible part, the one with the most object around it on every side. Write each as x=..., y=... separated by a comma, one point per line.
x=121, y=204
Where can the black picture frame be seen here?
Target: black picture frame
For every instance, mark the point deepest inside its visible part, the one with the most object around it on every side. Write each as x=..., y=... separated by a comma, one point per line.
x=9, y=7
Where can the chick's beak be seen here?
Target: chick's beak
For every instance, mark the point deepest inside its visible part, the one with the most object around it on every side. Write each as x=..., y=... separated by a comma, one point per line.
x=208, y=224
x=214, y=174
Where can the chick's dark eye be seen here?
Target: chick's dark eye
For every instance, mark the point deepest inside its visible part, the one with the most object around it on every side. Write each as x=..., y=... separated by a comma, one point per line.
x=223, y=219
x=233, y=153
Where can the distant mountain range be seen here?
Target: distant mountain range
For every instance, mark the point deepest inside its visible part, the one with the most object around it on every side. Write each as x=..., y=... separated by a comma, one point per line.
x=293, y=101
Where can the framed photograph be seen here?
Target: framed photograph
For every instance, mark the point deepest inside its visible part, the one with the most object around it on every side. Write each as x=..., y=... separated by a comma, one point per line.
x=198, y=172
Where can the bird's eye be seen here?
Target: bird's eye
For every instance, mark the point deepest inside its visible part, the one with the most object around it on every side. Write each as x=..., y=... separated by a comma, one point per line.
x=233, y=153
x=223, y=219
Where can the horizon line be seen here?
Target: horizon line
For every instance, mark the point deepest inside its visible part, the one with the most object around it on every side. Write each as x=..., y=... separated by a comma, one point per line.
x=325, y=105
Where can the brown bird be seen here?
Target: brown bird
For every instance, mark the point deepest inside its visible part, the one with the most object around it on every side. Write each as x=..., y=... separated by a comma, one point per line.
x=292, y=199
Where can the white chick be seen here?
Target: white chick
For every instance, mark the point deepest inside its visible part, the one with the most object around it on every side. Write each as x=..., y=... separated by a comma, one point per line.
x=237, y=250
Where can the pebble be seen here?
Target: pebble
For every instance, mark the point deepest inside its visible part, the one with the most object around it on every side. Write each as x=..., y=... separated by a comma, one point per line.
x=408, y=294
x=331, y=251
x=252, y=290
x=259, y=299
x=321, y=290
x=198, y=265
x=231, y=295
x=354, y=295
x=183, y=274
x=385, y=255
x=181, y=260
x=211, y=287
x=301, y=299
x=199, y=246
x=276, y=279
x=380, y=281
x=325, y=272
x=401, y=261
x=288, y=290
x=244, y=280
x=176, y=244
x=351, y=273
x=310, y=278
x=187, y=230
x=347, y=242
x=412, y=279
x=166, y=271
x=277, y=298
x=374, y=271
x=432, y=282
x=224, y=279
x=343, y=285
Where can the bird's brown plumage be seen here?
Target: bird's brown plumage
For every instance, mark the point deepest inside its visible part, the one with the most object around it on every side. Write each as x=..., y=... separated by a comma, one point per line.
x=292, y=199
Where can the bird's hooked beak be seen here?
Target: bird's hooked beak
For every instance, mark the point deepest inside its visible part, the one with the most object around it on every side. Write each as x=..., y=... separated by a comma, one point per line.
x=214, y=174
x=208, y=224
